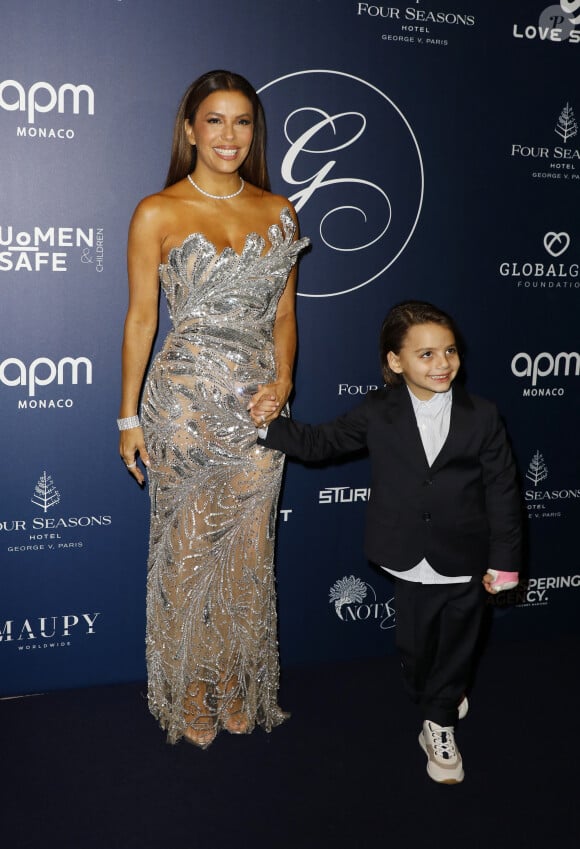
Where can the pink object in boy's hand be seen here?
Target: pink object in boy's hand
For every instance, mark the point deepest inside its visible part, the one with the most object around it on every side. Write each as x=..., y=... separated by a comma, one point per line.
x=503, y=580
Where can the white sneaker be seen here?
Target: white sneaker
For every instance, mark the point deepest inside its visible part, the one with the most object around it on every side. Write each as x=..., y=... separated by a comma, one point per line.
x=462, y=708
x=444, y=763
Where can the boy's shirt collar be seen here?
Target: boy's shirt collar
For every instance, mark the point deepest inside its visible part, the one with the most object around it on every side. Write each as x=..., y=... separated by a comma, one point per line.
x=439, y=401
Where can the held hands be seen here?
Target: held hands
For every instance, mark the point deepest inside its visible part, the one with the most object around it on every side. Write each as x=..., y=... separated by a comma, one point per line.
x=495, y=581
x=131, y=446
x=269, y=400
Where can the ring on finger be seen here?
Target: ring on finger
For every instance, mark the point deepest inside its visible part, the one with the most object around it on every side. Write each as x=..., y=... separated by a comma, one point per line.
x=131, y=465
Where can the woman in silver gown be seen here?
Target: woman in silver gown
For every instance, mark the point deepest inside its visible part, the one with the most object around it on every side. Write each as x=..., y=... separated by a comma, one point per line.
x=224, y=250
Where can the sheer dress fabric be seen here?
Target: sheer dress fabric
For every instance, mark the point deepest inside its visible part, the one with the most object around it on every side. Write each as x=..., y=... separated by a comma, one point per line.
x=211, y=642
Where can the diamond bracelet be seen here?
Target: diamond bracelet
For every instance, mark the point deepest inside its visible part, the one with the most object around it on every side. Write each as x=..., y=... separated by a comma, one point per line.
x=128, y=423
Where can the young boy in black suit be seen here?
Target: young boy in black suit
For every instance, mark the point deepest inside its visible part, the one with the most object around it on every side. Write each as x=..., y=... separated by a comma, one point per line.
x=444, y=515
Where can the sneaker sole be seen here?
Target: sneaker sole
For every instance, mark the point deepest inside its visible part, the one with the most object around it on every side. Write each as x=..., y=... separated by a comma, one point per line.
x=437, y=774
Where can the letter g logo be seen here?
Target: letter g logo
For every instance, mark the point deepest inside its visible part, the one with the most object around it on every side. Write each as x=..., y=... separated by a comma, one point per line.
x=351, y=164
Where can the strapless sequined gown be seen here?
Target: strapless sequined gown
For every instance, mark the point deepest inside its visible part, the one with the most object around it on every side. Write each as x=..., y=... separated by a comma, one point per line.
x=212, y=650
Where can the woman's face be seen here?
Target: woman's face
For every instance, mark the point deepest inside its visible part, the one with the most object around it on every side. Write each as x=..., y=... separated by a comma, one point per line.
x=222, y=131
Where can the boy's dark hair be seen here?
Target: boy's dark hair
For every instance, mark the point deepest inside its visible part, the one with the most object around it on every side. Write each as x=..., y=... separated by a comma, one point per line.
x=396, y=324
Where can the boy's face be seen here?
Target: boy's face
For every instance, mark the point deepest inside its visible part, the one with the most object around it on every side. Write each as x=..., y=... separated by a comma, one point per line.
x=428, y=360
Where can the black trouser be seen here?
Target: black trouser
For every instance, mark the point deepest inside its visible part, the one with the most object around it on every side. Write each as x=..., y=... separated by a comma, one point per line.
x=437, y=630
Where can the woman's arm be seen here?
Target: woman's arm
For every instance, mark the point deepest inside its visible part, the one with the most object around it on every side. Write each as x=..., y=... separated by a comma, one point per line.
x=284, y=335
x=143, y=258
x=270, y=399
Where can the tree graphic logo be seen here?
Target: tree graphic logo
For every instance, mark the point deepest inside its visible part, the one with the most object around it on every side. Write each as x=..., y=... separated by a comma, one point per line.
x=45, y=493
x=537, y=470
x=349, y=590
x=567, y=126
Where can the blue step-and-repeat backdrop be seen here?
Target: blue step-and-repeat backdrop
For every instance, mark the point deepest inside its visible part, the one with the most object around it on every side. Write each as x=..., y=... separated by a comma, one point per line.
x=432, y=150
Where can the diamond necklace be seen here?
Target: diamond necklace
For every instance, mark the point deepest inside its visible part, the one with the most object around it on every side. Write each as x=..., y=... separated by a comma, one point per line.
x=217, y=197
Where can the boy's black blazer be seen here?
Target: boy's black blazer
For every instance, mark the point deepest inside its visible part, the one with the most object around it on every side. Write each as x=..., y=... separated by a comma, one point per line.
x=463, y=513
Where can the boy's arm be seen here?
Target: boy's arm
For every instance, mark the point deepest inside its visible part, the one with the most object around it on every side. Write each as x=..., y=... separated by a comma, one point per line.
x=503, y=499
x=313, y=443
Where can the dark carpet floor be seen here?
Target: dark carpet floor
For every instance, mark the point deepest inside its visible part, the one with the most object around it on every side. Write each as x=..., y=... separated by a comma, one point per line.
x=89, y=769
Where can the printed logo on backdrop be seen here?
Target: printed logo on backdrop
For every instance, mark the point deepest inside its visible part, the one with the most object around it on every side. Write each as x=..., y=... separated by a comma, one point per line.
x=541, y=371
x=26, y=382
x=50, y=248
x=360, y=209
x=356, y=601
x=416, y=25
x=552, y=271
x=47, y=529
x=556, y=24
x=343, y=495
x=534, y=592
x=45, y=110
x=47, y=632
x=46, y=495
x=550, y=161
x=356, y=388
x=544, y=501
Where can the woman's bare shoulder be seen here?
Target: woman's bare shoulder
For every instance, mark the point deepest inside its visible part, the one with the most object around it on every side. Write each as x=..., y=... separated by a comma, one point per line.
x=158, y=203
x=157, y=209
x=281, y=203
x=272, y=204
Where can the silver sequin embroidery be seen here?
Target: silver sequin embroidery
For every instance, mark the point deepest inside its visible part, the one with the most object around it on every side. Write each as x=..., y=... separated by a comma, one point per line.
x=211, y=607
